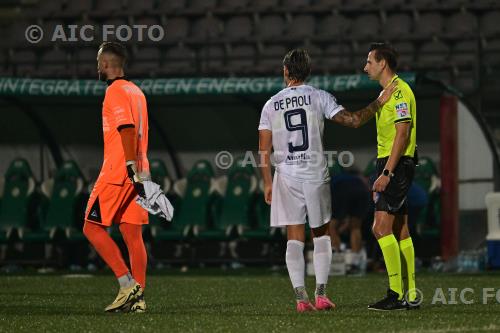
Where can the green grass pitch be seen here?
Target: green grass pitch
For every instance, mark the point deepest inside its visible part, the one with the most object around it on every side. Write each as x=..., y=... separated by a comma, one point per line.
x=247, y=301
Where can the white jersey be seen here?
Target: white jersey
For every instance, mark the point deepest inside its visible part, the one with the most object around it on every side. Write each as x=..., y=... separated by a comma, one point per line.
x=296, y=117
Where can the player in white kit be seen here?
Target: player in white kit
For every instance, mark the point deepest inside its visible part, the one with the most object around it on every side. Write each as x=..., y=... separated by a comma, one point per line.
x=291, y=124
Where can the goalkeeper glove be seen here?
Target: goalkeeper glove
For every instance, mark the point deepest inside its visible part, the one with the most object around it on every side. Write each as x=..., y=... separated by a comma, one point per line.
x=134, y=177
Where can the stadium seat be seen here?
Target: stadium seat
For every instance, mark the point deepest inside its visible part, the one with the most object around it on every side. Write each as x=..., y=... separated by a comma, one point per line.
x=325, y=5
x=424, y=4
x=43, y=9
x=85, y=60
x=171, y=6
x=356, y=5
x=149, y=21
x=212, y=59
x=336, y=57
x=429, y=25
x=316, y=54
x=197, y=193
x=464, y=54
x=406, y=51
x=465, y=80
x=241, y=59
x=178, y=60
x=392, y=4
x=263, y=5
x=297, y=4
x=178, y=29
x=335, y=168
x=53, y=63
x=16, y=208
x=365, y=27
x=238, y=28
x=77, y=8
x=333, y=26
x=270, y=60
x=12, y=33
x=49, y=27
x=261, y=229
x=302, y=27
x=159, y=227
x=397, y=27
x=371, y=169
x=232, y=6
x=201, y=6
x=137, y=8
x=461, y=25
x=426, y=175
x=270, y=27
x=238, y=188
x=206, y=28
x=25, y=62
x=434, y=54
x=492, y=52
x=65, y=197
x=108, y=8
x=146, y=62
x=489, y=24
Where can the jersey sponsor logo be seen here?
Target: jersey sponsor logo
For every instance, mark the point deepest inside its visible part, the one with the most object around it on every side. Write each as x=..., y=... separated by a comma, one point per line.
x=398, y=95
x=402, y=110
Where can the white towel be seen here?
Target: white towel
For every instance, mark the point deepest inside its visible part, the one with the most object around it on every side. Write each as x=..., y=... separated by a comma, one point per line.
x=155, y=201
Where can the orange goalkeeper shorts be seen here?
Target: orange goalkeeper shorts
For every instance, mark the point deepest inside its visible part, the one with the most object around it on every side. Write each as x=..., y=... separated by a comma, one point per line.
x=109, y=203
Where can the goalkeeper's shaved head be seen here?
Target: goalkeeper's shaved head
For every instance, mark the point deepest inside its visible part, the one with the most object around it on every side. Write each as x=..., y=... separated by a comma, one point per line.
x=297, y=65
x=116, y=52
x=111, y=59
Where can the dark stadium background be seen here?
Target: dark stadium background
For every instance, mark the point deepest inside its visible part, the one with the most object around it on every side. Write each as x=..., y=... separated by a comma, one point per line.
x=452, y=47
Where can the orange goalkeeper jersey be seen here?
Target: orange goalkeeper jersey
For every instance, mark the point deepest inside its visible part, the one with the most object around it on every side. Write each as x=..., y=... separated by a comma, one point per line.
x=124, y=104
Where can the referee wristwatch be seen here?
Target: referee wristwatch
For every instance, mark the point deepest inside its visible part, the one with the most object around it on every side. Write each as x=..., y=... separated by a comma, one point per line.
x=387, y=173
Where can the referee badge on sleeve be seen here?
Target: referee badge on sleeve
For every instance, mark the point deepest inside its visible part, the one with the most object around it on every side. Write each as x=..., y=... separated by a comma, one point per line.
x=402, y=110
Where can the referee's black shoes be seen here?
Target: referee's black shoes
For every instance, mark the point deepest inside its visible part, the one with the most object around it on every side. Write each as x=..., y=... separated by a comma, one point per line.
x=389, y=303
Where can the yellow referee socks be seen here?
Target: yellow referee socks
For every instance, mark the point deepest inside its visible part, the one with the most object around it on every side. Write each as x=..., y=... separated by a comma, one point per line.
x=408, y=267
x=392, y=258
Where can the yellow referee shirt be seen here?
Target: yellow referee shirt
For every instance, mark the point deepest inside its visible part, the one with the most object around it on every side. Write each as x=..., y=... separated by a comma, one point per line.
x=400, y=108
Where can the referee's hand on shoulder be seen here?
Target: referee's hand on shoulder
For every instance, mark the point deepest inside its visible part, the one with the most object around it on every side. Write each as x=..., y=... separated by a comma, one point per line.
x=386, y=94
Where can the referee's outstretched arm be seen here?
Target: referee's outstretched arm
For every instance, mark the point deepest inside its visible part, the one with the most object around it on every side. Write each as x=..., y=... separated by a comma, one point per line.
x=359, y=118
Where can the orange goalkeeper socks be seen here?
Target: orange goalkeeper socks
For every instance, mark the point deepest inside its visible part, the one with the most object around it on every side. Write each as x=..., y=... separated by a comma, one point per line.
x=106, y=247
x=132, y=234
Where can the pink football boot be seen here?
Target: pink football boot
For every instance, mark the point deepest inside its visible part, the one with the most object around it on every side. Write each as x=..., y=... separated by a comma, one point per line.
x=323, y=303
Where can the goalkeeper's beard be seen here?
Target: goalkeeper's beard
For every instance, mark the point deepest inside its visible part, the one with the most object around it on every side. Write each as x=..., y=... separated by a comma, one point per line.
x=102, y=76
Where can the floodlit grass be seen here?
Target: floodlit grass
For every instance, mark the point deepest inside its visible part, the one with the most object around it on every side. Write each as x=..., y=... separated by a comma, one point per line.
x=246, y=301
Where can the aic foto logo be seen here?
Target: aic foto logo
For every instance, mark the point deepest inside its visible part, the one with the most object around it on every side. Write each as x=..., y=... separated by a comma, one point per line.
x=88, y=33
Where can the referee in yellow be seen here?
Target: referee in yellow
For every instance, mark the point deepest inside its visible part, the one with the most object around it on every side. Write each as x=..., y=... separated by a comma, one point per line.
x=396, y=156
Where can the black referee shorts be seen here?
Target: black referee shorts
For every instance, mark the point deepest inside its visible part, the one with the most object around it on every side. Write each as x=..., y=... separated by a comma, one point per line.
x=394, y=199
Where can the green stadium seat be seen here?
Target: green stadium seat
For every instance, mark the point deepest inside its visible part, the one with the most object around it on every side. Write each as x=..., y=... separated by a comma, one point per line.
x=261, y=228
x=428, y=221
x=239, y=188
x=335, y=169
x=16, y=209
x=194, y=211
x=161, y=229
x=64, y=193
x=371, y=168
x=426, y=174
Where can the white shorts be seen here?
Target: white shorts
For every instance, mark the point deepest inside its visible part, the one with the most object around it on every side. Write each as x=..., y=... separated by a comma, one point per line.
x=292, y=201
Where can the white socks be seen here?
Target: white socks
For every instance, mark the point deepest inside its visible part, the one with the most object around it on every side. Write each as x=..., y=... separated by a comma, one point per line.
x=126, y=281
x=295, y=262
x=322, y=258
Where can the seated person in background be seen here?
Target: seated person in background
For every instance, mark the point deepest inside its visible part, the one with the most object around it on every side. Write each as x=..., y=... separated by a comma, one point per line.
x=350, y=206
